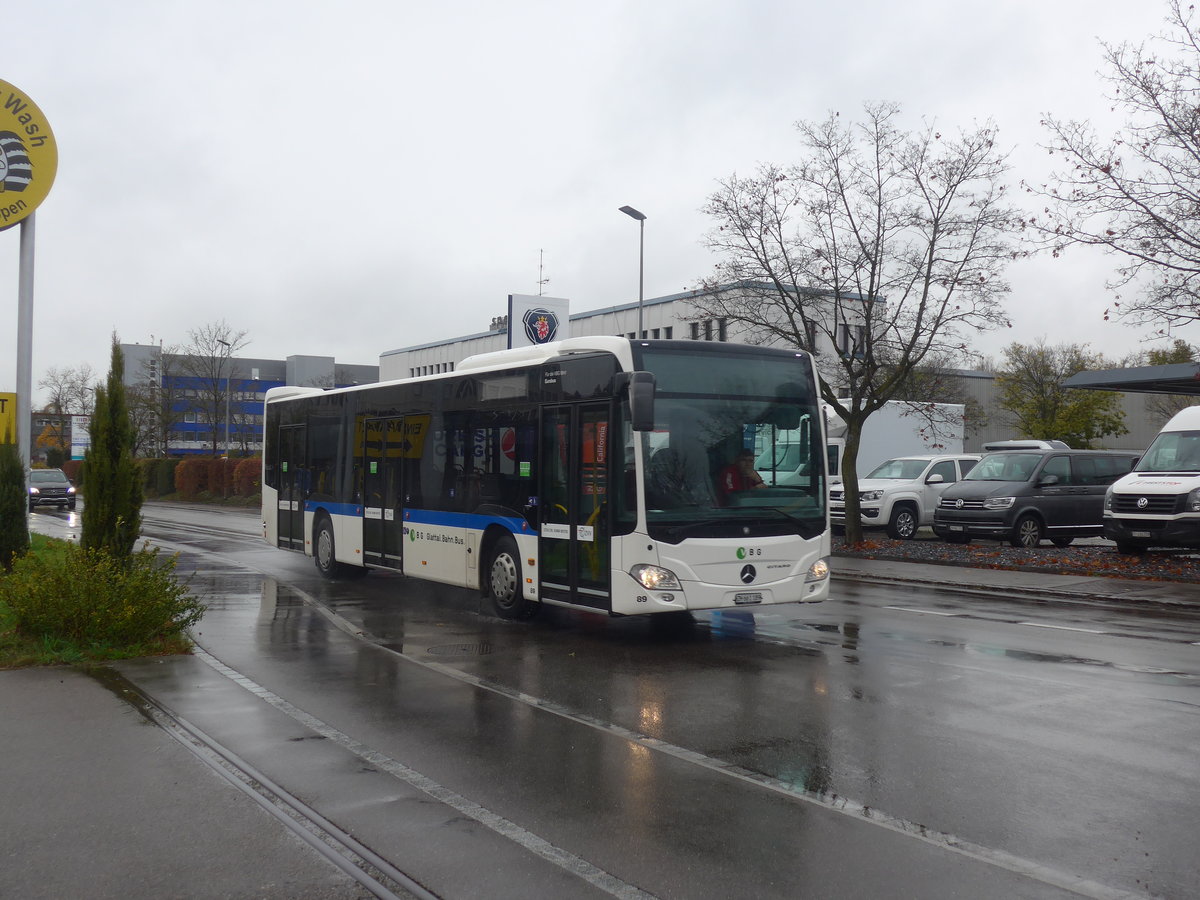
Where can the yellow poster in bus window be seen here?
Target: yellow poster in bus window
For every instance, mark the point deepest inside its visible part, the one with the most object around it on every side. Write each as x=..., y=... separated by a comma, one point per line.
x=405, y=437
x=28, y=156
x=8, y=418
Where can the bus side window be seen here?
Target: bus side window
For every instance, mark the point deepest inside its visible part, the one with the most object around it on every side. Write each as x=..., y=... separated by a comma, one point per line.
x=627, y=501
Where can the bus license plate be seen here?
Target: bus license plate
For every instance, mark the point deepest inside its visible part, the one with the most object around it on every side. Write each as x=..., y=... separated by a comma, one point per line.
x=954, y=528
x=748, y=597
x=1140, y=534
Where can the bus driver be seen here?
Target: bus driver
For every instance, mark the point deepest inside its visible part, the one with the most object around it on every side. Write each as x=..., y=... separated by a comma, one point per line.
x=738, y=476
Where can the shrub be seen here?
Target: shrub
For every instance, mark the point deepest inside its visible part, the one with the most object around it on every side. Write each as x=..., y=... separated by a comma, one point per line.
x=73, y=469
x=148, y=473
x=191, y=476
x=247, y=475
x=91, y=598
x=166, y=476
x=14, y=503
x=220, y=476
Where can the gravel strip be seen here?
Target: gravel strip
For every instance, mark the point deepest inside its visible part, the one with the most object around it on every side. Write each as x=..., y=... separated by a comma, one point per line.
x=1093, y=556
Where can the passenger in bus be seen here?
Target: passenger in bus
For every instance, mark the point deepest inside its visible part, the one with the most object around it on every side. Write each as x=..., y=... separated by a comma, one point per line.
x=738, y=476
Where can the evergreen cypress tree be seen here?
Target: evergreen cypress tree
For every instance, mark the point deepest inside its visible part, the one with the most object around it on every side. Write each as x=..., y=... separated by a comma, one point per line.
x=14, y=503
x=112, y=507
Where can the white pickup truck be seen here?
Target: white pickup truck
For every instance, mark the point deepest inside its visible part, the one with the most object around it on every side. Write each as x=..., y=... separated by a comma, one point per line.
x=901, y=494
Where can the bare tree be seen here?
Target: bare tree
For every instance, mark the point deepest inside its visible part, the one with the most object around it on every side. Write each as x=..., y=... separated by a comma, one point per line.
x=876, y=252
x=207, y=358
x=71, y=390
x=142, y=401
x=1137, y=194
x=154, y=401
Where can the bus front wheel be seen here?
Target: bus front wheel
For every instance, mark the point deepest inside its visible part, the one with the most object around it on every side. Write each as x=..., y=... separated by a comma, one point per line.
x=505, y=585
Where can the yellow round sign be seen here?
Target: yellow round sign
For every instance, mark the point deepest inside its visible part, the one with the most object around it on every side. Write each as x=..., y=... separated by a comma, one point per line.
x=28, y=156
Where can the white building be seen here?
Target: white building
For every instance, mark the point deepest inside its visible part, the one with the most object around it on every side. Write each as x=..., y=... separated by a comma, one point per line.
x=672, y=317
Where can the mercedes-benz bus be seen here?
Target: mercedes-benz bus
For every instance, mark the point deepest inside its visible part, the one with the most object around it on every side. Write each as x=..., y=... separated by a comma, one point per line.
x=581, y=473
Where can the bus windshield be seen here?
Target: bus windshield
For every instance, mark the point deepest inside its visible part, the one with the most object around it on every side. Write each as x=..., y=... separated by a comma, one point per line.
x=736, y=445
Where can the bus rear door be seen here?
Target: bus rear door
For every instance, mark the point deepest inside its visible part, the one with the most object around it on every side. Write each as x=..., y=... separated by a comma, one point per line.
x=573, y=506
x=293, y=486
x=383, y=509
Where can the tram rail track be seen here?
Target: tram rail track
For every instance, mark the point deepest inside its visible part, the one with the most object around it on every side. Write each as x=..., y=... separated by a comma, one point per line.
x=369, y=870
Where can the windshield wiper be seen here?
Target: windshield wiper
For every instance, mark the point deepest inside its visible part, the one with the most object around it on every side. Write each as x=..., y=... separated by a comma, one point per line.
x=685, y=527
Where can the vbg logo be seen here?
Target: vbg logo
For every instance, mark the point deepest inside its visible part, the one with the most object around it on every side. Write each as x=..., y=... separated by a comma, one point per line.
x=541, y=325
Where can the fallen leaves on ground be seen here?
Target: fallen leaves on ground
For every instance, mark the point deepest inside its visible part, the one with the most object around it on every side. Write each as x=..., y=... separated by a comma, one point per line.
x=1099, y=559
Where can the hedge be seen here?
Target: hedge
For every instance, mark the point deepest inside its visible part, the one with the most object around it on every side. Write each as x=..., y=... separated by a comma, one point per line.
x=191, y=476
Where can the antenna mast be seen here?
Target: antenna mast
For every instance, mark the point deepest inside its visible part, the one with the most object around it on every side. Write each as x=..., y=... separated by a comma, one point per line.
x=542, y=282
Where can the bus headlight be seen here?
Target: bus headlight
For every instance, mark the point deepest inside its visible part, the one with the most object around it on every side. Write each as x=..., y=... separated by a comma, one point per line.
x=655, y=578
x=1193, y=501
x=818, y=571
x=999, y=502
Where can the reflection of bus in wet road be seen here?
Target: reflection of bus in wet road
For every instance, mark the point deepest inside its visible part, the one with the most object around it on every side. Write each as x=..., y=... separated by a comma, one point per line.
x=581, y=473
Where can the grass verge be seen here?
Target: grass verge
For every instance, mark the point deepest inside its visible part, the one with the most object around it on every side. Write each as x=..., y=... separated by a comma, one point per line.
x=60, y=605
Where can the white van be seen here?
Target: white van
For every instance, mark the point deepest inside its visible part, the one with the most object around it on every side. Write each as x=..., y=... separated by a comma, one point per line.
x=1158, y=503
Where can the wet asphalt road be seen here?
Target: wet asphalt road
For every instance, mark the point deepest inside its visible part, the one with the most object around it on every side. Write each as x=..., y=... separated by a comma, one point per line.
x=889, y=742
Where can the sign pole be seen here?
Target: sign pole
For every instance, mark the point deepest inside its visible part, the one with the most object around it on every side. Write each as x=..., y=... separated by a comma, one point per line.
x=25, y=343
x=28, y=164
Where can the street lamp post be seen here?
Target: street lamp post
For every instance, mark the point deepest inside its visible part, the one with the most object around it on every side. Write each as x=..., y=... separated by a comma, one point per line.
x=228, y=350
x=641, y=218
x=224, y=474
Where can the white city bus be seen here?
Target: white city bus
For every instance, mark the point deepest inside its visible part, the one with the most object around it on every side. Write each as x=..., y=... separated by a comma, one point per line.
x=540, y=476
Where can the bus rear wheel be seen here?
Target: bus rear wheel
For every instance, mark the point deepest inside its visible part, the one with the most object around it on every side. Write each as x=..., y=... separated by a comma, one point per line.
x=326, y=559
x=323, y=554
x=504, y=583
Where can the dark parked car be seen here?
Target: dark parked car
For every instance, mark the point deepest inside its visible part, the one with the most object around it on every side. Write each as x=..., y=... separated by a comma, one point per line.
x=1023, y=496
x=51, y=487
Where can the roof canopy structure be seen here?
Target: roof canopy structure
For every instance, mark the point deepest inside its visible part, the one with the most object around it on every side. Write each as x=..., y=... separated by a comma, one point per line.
x=1178, y=378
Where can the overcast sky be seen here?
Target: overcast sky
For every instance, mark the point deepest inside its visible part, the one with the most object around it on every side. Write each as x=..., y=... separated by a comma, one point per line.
x=343, y=179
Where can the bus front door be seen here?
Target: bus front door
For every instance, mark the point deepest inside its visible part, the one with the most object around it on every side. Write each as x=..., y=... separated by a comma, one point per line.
x=383, y=508
x=573, y=507
x=293, y=483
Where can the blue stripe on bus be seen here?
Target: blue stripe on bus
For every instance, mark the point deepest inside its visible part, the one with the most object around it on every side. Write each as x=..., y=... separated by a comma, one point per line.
x=463, y=520
x=514, y=524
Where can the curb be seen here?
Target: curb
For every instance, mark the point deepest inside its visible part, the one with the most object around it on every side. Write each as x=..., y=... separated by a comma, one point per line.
x=1124, y=593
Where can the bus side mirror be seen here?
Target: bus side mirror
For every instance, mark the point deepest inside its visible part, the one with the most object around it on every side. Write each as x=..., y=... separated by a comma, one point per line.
x=641, y=398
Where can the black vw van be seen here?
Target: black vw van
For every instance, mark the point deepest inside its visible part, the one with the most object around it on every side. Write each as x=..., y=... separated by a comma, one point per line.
x=1024, y=496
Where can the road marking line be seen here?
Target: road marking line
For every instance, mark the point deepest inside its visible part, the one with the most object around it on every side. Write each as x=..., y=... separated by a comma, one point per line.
x=581, y=868
x=1064, y=628
x=924, y=612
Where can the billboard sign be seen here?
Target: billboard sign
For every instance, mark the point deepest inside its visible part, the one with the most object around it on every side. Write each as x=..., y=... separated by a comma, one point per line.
x=537, y=320
x=28, y=156
x=8, y=418
x=81, y=438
